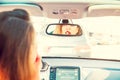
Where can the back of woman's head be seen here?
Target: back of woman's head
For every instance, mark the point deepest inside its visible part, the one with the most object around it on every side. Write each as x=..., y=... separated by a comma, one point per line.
x=16, y=38
x=19, y=13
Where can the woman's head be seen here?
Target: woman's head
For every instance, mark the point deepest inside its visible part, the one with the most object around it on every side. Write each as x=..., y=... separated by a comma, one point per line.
x=68, y=30
x=17, y=41
x=19, y=13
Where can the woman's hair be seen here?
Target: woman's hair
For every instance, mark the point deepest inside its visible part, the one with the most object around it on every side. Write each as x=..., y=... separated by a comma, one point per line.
x=19, y=13
x=58, y=30
x=16, y=39
x=80, y=32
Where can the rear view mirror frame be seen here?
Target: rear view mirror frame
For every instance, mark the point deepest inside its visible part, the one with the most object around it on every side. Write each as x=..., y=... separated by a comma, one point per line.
x=55, y=28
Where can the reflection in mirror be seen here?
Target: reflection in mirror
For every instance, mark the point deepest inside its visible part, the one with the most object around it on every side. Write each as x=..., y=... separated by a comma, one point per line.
x=64, y=29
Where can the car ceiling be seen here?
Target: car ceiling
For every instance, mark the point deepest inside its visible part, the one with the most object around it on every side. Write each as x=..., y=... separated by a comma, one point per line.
x=69, y=10
x=79, y=10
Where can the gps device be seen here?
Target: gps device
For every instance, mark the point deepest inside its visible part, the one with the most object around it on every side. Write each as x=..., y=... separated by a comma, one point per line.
x=64, y=73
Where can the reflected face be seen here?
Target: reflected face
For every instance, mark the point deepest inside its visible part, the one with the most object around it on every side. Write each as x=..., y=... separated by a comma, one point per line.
x=69, y=30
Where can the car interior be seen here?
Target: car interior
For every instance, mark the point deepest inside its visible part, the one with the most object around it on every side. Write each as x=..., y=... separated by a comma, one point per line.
x=68, y=64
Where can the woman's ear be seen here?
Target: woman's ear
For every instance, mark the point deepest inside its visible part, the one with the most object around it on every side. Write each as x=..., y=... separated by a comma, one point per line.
x=37, y=68
x=38, y=63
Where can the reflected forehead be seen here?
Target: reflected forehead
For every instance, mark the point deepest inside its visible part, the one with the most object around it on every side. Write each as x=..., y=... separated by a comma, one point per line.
x=69, y=26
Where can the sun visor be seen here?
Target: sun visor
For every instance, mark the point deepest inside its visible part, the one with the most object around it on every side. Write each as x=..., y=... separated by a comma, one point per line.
x=103, y=10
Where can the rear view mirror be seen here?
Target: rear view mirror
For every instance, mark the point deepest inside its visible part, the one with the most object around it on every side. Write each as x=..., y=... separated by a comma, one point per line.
x=64, y=29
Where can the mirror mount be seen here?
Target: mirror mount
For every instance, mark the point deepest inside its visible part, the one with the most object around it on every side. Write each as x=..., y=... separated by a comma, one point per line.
x=65, y=21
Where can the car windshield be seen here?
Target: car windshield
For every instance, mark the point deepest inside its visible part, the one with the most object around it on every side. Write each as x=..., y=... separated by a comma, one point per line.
x=102, y=35
x=100, y=38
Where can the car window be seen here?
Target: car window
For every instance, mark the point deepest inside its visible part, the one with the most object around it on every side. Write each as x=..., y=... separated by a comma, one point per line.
x=101, y=34
x=100, y=38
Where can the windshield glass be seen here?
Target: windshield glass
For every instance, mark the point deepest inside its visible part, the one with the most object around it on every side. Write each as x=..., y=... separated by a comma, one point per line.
x=102, y=35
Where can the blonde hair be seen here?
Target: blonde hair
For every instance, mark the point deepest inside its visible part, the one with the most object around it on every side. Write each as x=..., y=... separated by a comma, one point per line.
x=16, y=38
x=58, y=30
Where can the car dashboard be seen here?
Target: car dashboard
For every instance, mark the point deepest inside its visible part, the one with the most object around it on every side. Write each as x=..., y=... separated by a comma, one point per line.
x=74, y=68
x=71, y=68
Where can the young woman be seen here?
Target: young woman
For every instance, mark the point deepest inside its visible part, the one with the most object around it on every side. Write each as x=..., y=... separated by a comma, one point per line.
x=68, y=30
x=18, y=55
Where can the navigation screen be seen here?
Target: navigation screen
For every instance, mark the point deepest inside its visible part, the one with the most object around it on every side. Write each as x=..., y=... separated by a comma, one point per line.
x=67, y=74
